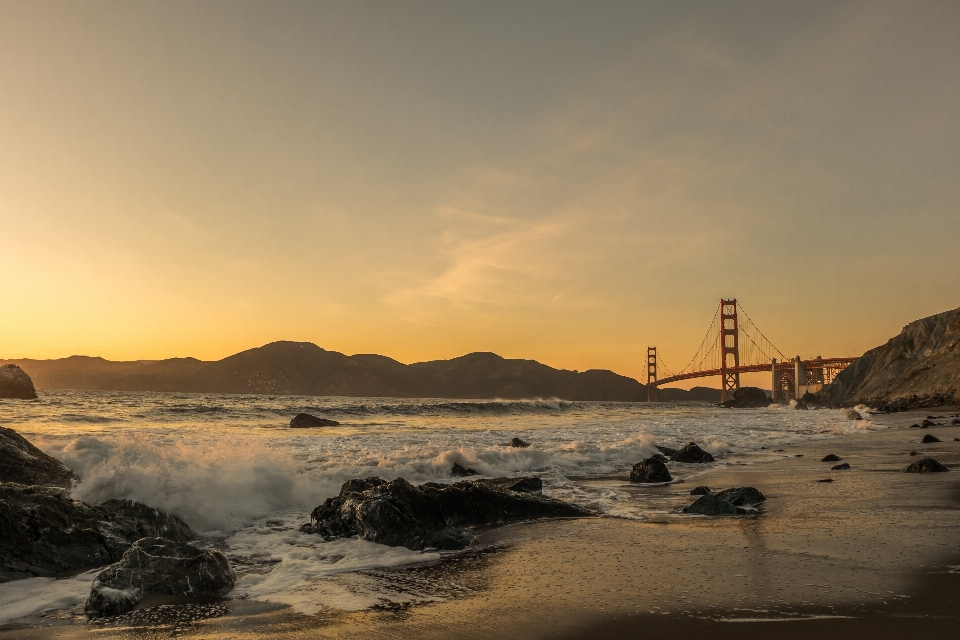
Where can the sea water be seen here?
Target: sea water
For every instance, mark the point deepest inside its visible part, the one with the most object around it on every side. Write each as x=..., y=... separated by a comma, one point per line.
x=234, y=470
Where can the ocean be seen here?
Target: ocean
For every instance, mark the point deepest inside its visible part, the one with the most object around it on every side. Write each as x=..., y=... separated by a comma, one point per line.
x=232, y=468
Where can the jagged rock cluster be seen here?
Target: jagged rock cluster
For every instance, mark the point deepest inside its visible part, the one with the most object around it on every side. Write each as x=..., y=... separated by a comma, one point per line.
x=22, y=462
x=398, y=513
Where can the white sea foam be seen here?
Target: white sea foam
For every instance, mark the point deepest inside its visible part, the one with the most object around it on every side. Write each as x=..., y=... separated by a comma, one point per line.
x=31, y=596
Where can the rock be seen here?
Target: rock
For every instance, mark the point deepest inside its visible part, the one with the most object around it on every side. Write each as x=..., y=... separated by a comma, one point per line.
x=826, y=480
x=925, y=465
x=398, y=513
x=692, y=453
x=915, y=426
x=700, y=491
x=155, y=565
x=460, y=471
x=650, y=470
x=662, y=458
x=930, y=438
x=840, y=467
x=15, y=383
x=518, y=443
x=956, y=439
x=955, y=422
x=46, y=533
x=307, y=421
x=914, y=453
x=853, y=415
x=798, y=455
x=741, y=496
x=831, y=458
x=809, y=399
x=23, y=463
x=927, y=423
x=747, y=398
x=667, y=451
x=800, y=406
x=711, y=505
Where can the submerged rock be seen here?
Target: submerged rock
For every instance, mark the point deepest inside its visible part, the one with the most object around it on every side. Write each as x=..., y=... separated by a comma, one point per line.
x=154, y=565
x=307, y=421
x=711, y=505
x=853, y=415
x=930, y=438
x=840, y=467
x=15, y=383
x=44, y=532
x=650, y=470
x=747, y=398
x=23, y=463
x=518, y=443
x=692, y=453
x=831, y=458
x=926, y=465
x=702, y=490
x=460, y=471
x=398, y=513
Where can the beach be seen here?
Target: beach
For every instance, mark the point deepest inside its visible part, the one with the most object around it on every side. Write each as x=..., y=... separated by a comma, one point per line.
x=873, y=551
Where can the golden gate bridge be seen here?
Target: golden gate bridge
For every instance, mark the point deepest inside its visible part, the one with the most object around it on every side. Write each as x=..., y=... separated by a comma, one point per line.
x=735, y=345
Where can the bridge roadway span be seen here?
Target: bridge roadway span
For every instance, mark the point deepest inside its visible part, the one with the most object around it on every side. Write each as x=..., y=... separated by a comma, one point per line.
x=816, y=363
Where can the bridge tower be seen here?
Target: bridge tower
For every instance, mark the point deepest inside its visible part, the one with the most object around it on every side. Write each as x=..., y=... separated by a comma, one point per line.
x=651, y=374
x=729, y=348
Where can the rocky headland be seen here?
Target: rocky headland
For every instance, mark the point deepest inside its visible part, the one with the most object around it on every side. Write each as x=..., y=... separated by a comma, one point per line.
x=15, y=383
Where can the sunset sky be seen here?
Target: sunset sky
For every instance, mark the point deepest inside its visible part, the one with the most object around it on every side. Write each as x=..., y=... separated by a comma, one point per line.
x=567, y=182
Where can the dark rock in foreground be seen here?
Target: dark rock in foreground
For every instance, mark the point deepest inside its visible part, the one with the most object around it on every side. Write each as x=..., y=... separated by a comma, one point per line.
x=398, y=513
x=650, y=470
x=518, y=443
x=23, y=463
x=307, y=421
x=840, y=467
x=15, y=383
x=711, y=505
x=460, y=471
x=44, y=532
x=702, y=490
x=154, y=565
x=747, y=398
x=831, y=458
x=926, y=465
x=692, y=453
x=741, y=496
x=930, y=438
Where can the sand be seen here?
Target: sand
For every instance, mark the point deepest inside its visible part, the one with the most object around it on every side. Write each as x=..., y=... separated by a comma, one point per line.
x=874, y=552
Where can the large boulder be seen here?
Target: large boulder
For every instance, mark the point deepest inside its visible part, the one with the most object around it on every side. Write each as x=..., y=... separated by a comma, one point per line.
x=691, y=453
x=15, y=383
x=307, y=421
x=925, y=465
x=155, y=565
x=650, y=470
x=44, y=532
x=398, y=513
x=747, y=398
x=23, y=463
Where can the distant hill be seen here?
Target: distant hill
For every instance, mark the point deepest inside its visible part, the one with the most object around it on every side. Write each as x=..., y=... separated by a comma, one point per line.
x=919, y=365
x=303, y=368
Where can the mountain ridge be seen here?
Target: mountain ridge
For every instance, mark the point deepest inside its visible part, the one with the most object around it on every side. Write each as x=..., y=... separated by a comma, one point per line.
x=304, y=368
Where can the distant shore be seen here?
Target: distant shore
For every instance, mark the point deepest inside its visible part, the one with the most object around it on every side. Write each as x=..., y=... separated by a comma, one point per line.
x=870, y=553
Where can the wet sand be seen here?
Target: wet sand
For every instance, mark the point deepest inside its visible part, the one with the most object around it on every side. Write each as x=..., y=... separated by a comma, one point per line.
x=875, y=551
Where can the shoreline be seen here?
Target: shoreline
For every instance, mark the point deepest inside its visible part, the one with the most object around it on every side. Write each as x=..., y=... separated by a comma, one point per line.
x=820, y=560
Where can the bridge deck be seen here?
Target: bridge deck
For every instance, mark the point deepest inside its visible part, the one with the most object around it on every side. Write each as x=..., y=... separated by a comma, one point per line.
x=817, y=363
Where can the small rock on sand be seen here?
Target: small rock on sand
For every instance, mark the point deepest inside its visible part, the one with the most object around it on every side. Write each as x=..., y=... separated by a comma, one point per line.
x=826, y=480
x=840, y=467
x=927, y=423
x=926, y=465
x=702, y=490
x=831, y=458
x=930, y=438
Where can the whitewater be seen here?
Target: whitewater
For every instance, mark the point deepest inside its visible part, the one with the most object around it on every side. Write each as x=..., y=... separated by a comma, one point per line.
x=234, y=470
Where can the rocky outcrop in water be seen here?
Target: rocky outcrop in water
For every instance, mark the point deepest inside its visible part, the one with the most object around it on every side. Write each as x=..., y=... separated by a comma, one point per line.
x=155, y=565
x=398, y=513
x=307, y=421
x=925, y=465
x=650, y=470
x=517, y=443
x=15, y=383
x=23, y=463
x=44, y=532
x=692, y=453
x=917, y=368
x=747, y=398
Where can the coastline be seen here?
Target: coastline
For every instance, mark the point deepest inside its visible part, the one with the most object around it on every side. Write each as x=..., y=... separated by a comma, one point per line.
x=864, y=554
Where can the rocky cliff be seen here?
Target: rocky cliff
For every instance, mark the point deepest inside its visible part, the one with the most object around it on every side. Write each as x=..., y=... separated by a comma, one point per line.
x=920, y=366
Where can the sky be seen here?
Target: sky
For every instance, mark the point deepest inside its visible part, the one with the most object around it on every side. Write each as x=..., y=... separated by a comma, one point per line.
x=567, y=182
